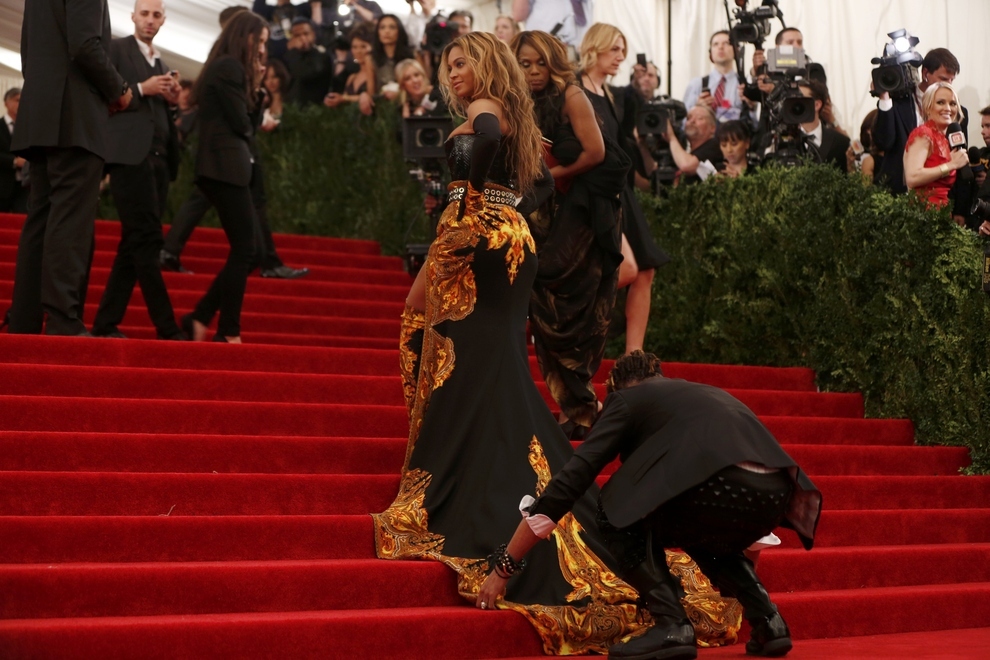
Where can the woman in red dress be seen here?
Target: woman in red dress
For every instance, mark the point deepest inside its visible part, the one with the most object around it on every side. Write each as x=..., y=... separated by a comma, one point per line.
x=929, y=164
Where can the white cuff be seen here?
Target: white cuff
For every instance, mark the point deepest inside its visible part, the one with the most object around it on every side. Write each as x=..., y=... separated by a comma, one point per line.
x=140, y=93
x=768, y=541
x=539, y=524
x=885, y=105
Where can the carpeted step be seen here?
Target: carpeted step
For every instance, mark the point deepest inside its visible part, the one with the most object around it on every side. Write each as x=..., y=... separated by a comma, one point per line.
x=121, y=382
x=290, y=359
x=37, y=591
x=787, y=570
x=212, y=235
x=434, y=633
x=197, y=494
x=146, y=452
x=87, y=414
x=158, y=538
x=896, y=527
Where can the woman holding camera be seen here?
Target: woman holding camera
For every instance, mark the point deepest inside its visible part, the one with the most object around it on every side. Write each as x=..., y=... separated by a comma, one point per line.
x=226, y=92
x=602, y=51
x=929, y=164
x=578, y=238
x=480, y=434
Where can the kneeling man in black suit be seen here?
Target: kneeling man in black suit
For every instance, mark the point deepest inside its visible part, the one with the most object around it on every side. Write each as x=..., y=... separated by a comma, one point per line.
x=699, y=472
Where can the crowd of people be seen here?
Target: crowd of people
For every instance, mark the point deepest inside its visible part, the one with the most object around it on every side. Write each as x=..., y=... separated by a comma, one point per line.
x=540, y=226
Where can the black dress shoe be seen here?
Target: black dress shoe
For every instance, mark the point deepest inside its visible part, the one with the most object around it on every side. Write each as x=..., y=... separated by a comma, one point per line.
x=285, y=272
x=112, y=334
x=770, y=638
x=661, y=642
x=178, y=335
x=170, y=262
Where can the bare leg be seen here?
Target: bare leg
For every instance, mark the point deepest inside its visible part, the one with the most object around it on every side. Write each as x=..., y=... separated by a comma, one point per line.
x=628, y=269
x=638, y=310
x=417, y=292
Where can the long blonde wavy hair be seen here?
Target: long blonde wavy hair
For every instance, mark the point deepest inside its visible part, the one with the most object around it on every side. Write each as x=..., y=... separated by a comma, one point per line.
x=497, y=76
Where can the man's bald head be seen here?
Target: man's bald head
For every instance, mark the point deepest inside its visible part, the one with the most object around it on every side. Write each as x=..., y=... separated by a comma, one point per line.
x=148, y=17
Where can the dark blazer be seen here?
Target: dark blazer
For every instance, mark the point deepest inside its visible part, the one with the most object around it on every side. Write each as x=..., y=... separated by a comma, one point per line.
x=672, y=435
x=131, y=131
x=226, y=131
x=833, y=149
x=68, y=78
x=8, y=175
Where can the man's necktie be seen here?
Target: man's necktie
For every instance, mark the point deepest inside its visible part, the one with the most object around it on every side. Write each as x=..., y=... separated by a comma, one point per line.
x=580, y=19
x=720, y=94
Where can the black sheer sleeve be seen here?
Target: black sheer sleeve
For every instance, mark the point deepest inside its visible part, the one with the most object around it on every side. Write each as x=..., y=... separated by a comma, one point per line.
x=487, y=137
x=538, y=195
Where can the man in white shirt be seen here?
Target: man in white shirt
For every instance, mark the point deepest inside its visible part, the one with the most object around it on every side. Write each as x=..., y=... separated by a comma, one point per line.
x=719, y=90
x=574, y=17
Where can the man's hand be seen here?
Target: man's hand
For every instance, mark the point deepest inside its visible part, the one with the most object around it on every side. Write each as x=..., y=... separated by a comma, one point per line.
x=985, y=229
x=123, y=102
x=759, y=59
x=332, y=100
x=158, y=85
x=367, y=104
x=491, y=590
x=706, y=98
x=19, y=162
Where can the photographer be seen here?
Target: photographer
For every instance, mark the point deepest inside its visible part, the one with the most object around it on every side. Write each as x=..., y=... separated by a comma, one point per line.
x=725, y=100
x=899, y=116
x=310, y=66
x=699, y=127
x=830, y=143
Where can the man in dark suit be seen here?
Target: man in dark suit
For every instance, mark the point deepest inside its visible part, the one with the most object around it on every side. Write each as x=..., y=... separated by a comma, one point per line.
x=70, y=88
x=688, y=452
x=13, y=190
x=830, y=143
x=898, y=117
x=142, y=158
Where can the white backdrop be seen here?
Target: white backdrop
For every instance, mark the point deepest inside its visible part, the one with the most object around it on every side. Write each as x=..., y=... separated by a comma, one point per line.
x=843, y=35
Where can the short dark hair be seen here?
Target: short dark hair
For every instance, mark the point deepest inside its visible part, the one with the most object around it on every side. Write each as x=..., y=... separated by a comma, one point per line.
x=462, y=13
x=11, y=93
x=733, y=130
x=301, y=20
x=185, y=83
x=632, y=368
x=985, y=111
x=780, y=35
x=936, y=58
x=819, y=92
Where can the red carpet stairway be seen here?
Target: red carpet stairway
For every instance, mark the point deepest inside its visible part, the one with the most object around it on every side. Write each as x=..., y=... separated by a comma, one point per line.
x=160, y=499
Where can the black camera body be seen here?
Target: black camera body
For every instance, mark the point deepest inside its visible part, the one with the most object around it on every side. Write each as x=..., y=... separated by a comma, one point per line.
x=423, y=137
x=654, y=115
x=753, y=27
x=439, y=32
x=897, y=67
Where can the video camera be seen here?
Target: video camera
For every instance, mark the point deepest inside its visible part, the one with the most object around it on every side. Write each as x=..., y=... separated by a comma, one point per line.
x=651, y=124
x=896, y=72
x=753, y=27
x=422, y=144
x=787, y=107
x=439, y=32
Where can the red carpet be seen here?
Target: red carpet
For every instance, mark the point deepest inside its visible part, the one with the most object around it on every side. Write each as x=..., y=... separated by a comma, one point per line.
x=164, y=500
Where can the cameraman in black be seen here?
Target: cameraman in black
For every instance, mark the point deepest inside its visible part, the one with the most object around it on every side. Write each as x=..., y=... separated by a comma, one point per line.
x=898, y=117
x=699, y=128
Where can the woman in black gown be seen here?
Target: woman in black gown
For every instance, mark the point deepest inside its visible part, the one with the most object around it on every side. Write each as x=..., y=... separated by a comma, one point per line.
x=602, y=51
x=577, y=237
x=480, y=435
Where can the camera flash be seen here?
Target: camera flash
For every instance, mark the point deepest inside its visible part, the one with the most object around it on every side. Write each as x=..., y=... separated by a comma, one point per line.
x=902, y=44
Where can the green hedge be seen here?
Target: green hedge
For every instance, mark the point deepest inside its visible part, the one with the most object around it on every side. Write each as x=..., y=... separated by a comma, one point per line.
x=782, y=267
x=810, y=267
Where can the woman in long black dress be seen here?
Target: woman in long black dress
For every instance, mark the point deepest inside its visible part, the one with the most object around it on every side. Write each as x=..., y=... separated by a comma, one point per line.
x=225, y=92
x=474, y=410
x=577, y=238
x=602, y=51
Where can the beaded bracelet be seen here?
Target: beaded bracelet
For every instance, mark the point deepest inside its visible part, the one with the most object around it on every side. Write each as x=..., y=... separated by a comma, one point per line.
x=503, y=564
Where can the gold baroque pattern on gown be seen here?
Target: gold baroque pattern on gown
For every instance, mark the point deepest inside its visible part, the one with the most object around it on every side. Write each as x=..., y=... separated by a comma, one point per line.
x=412, y=321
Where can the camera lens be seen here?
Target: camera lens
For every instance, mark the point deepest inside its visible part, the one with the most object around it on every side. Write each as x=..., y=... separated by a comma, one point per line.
x=652, y=120
x=429, y=137
x=890, y=78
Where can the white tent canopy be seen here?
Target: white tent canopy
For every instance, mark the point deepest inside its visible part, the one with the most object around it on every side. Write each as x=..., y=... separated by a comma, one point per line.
x=843, y=35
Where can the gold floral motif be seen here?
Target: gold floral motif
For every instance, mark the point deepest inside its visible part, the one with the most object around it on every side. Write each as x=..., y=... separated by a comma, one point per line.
x=412, y=321
x=401, y=531
x=513, y=232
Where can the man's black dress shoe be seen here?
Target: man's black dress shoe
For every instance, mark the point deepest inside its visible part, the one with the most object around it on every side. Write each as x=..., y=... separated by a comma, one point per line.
x=770, y=638
x=285, y=272
x=169, y=261
x=178, y=335
x=112, y=334
x=661, y=642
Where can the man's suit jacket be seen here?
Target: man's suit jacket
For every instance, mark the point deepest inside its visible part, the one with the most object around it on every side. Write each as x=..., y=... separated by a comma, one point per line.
x=833, y=149
x=68, y=78
x=132, y=130
x=226, y=132
x=672, y=435
x=8, y=174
